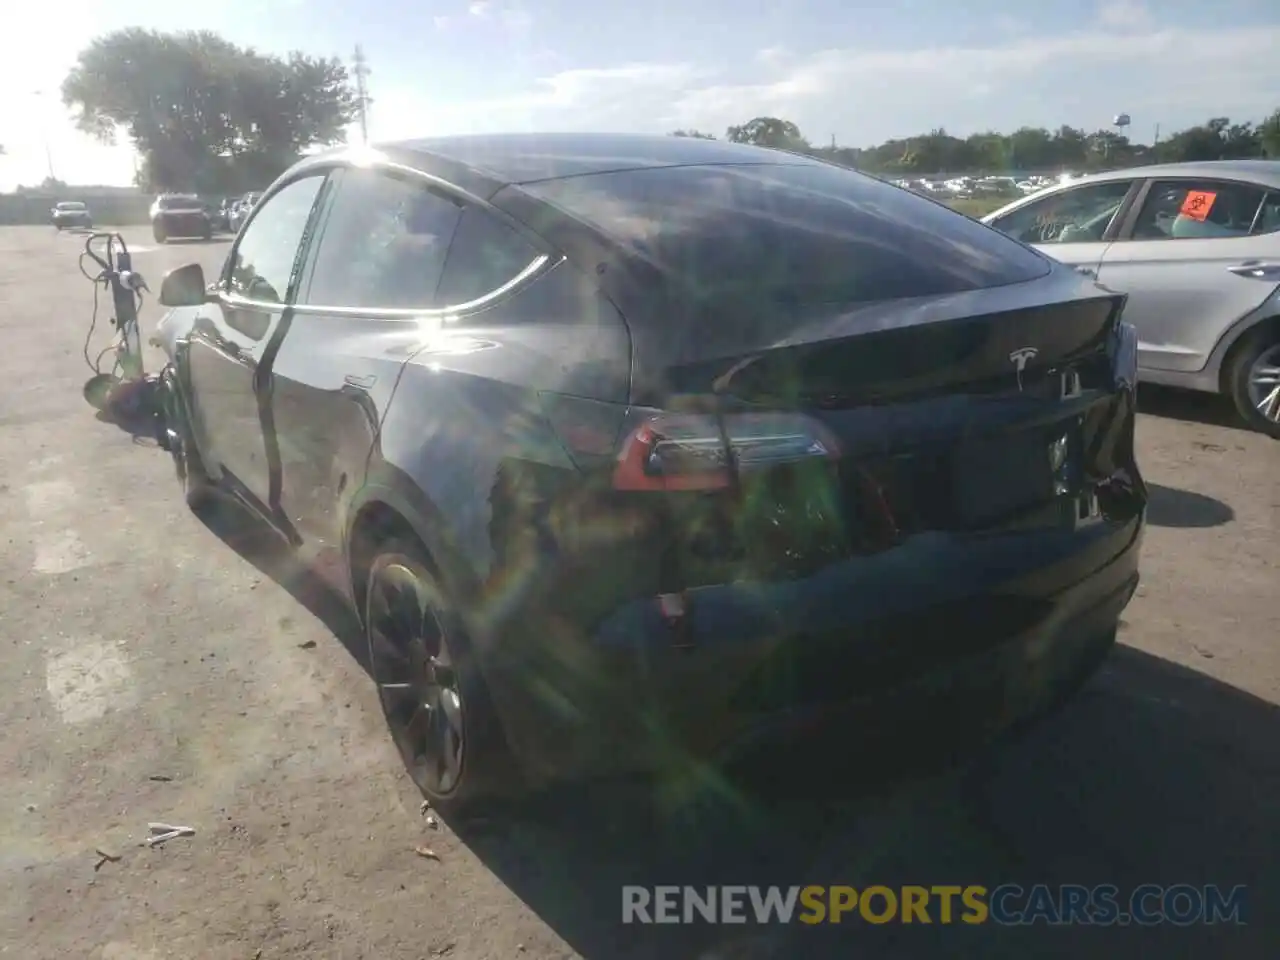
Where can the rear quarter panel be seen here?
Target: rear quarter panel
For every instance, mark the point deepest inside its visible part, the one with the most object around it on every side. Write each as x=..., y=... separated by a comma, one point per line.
x=467, y=426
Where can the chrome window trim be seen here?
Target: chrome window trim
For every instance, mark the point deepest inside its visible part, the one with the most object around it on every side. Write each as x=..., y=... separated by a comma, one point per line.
x=536, y=266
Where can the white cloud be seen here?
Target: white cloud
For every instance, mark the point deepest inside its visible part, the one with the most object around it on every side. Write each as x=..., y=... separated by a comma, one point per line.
x=441, y=22
x=577, y=99
x=1124, y=14
x=516, y=19
x=773, y=56
x=1011, y=25
x=1173, y=77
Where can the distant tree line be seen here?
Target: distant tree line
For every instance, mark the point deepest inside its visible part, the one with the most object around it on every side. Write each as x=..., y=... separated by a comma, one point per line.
x=1028, y=148
x=205, y=114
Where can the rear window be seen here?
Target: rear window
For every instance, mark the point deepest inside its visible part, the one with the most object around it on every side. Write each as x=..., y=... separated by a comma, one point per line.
x=801, y=234
x=71, y=205
x=183, y=202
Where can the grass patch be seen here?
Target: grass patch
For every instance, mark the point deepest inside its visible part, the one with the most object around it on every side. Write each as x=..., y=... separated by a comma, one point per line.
x=977, y=206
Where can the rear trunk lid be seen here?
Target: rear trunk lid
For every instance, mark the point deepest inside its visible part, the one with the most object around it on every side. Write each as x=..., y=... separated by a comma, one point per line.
x=886, y=353
x=855, y=430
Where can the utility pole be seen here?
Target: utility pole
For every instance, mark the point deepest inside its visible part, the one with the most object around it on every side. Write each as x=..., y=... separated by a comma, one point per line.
x=361, y=71
x=44, y=133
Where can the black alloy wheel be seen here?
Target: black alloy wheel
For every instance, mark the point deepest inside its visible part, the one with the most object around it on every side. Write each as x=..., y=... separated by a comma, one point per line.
x=414, y=659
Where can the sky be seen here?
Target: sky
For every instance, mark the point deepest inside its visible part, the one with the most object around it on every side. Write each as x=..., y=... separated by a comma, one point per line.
x=857, y=71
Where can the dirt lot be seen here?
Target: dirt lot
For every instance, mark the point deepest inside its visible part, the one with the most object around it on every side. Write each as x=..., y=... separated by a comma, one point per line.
x=153, y=672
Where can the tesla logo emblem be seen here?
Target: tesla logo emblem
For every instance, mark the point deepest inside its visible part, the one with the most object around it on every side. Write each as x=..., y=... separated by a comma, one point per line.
x=1020, y=358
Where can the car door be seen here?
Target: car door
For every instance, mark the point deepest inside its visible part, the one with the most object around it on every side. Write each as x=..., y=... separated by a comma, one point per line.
x=1074, y=225
x=233, y=338
x=368, y=279
x=1184, y=258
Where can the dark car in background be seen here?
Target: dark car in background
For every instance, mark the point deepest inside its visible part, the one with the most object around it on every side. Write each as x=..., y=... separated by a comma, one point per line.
x=182, y=215
x=71, y=213
x=630, y=450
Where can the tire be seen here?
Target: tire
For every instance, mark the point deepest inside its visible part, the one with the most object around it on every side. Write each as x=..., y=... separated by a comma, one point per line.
x=158, y=234
x=1259, y=350
x=197, y=486
x=422, y=663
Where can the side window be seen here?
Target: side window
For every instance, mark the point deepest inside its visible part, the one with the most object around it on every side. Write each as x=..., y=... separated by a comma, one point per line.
x=383, y=243
x=486, y=253
x=1197, y=210
x=1079, y=215
x=264, y=257
x=1269, y=216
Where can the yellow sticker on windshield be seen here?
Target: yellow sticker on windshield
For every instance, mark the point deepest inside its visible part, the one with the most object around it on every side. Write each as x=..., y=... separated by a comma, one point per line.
x=1197, y=204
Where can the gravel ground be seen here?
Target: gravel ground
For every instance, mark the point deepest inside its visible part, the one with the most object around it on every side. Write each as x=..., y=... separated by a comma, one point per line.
x=156, y=672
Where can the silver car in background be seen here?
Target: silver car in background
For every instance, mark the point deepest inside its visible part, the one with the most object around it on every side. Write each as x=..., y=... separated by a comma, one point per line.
x=1196, y=246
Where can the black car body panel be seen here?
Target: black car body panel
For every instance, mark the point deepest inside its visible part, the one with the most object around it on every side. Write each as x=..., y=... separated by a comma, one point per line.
x=666, y=523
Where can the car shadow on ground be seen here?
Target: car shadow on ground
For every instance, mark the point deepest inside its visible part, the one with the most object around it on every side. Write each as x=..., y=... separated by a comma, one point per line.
x=1154, y=774
x=1189, y=406
x=275, y=559
x=1168, y=507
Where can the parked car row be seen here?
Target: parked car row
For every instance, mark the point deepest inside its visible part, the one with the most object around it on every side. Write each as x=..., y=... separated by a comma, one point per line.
x=633, y=448
x=187, y=215
x=964, y=188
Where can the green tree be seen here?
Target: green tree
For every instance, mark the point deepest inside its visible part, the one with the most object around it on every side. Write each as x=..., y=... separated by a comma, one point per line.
x=1032, y=149
x=204, y=113
x=768, y=132
x=694, y=134
x=1268, y=133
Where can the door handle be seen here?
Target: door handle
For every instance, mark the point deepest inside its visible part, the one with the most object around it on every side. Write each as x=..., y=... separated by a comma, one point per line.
x=1257, y=270
x=360, y=383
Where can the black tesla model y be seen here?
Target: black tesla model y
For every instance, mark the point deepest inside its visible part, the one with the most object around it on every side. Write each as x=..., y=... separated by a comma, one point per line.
x=629, y=448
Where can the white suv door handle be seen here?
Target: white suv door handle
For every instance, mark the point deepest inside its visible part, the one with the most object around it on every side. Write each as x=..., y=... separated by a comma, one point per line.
x=1257, y=270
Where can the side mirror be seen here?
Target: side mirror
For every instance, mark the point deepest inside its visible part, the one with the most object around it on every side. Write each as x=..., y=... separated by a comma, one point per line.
x=184, y=287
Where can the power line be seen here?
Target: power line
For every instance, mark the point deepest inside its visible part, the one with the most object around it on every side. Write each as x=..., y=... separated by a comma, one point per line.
x=361, y=72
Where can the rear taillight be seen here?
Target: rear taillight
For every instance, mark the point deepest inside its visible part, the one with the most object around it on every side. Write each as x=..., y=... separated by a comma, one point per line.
x=674, y=451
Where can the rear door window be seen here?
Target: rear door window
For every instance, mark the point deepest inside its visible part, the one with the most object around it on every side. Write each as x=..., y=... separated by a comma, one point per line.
x=1268, y=220
x=1198, y=210
x=796, y=235
x=486, y=255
